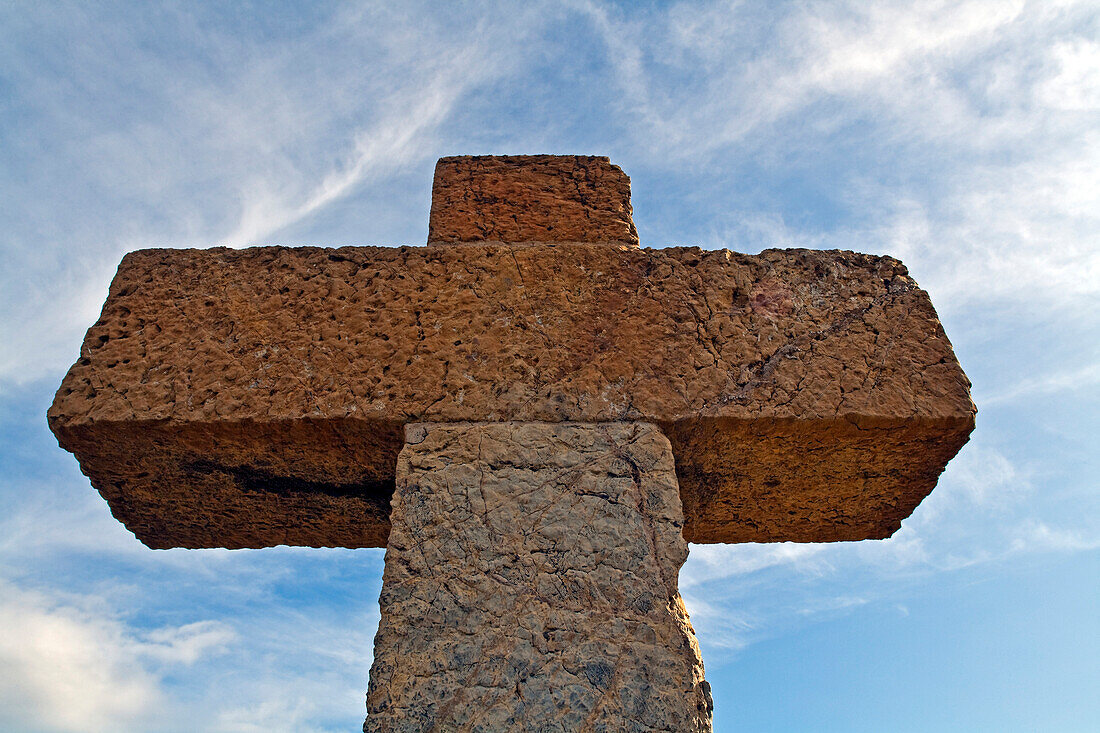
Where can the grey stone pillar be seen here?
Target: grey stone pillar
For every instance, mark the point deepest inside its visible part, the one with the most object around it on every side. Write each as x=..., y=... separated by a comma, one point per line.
x=531, y=584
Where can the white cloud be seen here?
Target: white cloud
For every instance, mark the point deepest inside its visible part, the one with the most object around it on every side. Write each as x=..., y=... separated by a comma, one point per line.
x=1037, y=536
x=724, y=627
x=1027, y=233
x=1076, y=86
x=73, y=663
x=711, y=562
x=394, y=141
x=244, y=138
x=44, y=314
x=1077, y=379
x=185, y=644
x=980, y=116
x=873, y=54
x=831, y=604
x=980, y=477
x=70, y=665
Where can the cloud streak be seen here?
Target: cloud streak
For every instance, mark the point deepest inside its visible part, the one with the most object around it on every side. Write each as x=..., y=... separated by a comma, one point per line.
x=977, y=159
x=393, y=142
x=213, y=156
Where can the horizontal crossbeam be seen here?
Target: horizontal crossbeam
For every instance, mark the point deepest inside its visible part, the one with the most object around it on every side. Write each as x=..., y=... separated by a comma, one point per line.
x=247, y=398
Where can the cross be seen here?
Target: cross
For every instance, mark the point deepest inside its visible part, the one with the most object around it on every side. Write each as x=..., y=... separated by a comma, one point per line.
x=532, y=414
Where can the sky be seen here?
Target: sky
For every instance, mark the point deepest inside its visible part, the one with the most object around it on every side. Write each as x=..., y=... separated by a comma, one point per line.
x=963, y=138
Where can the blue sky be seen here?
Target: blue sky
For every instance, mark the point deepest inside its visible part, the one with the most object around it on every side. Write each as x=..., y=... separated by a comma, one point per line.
x=962, y=137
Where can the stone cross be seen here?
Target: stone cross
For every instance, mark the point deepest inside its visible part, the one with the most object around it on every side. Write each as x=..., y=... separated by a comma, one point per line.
x=532, y=414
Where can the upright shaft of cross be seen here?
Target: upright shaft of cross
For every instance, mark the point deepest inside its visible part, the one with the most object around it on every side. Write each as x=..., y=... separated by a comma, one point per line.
x=530, y=583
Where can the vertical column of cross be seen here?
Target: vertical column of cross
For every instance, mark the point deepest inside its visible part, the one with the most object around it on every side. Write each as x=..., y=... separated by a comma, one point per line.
x=531, y=584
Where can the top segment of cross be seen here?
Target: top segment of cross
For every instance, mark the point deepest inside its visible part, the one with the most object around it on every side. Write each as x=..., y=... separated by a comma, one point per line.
x=247, y=398
x=530, y=198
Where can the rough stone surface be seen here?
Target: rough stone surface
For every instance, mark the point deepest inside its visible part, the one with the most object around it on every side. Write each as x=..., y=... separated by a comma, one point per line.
x=531, y=584
x=530, y=198
x=246, y=398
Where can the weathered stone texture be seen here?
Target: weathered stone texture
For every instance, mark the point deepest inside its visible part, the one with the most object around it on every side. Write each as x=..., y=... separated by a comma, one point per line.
x=245, y=398
x=530, y=198
x=531, y=584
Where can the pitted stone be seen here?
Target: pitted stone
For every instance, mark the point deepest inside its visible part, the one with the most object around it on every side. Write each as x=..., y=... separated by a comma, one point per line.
x=531, y=584
x=247, y=398
x=530, y=198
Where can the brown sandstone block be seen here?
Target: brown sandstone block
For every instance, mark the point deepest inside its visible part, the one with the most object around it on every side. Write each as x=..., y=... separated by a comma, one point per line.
x=246, y=398
x=530, y=198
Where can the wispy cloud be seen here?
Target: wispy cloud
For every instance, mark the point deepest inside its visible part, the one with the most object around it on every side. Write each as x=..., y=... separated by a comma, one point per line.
x=1081, y=378
x=1035, y=535
x=248, y=136
x=711, y=562
x=871, y=55
x=977, y=159
x=981, y=478
x=978, y=516
x=726, y=628
x=394, y=141
x=318, y=684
